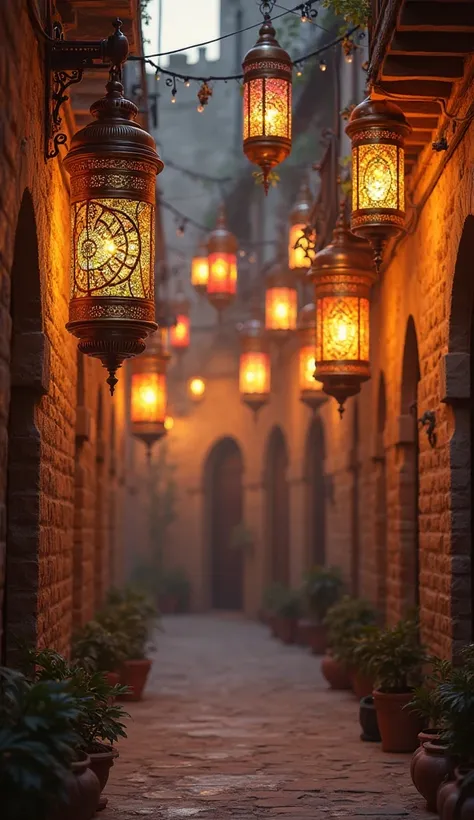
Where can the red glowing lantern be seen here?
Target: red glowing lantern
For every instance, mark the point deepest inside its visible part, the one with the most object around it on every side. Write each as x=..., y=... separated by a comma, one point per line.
x=222, y=258
x=200, y=269
x=181, y=330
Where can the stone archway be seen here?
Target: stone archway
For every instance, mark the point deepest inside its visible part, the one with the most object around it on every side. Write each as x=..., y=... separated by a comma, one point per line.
x=315, y=494
x=29, y=380
x=277, y=508
x=224, y=504
x=380, y=501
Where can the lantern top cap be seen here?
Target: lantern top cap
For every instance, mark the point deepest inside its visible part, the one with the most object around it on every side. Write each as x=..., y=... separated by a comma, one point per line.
x=381, y=113
x=301, y=210
x=279, y=275
x=345, y=254
x=307, y=317
x=201, y=249
x=221, y=240
x=266, y=47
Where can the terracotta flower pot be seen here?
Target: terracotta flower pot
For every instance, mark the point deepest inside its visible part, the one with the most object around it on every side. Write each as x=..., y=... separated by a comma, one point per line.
x=335, y=673
x=134, y=675
x=431, y=765
x=425, y=736
x=368, y=720
x=286, y=629
x=317, y=638
x=362, y=686
x=101, y=764
x=303, y=632
x=398, y=726
x=112, y=678
x=83, y=792
x=456, y=800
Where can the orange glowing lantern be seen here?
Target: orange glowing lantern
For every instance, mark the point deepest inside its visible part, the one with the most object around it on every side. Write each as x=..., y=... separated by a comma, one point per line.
x=200, y=269
x=343, y=275
x=302, y=237
x=281, y=303
x=148, y=392
x=378, y=129
x=179, y=333
x=254, y=369
x=222, y=279
x=196, y=388
x=267, y=102
x=311, y=390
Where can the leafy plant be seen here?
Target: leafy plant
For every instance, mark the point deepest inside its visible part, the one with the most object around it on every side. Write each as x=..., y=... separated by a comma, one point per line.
x=393, y=657
x=456, y=700
x=97, y=649
x=322, y=587
x=426, y=698
x=37, y=744
x=346, y=621
x=356, y=12
x=288, y=603
x=129, y=612
x=175, y=582
x=271, y=597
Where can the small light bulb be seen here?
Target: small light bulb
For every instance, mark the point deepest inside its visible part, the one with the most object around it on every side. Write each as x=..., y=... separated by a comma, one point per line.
x=299, y=72
x=349, y=58
x=187, y=84
x=200, y=109
x=157, y=76
x=323, y=65
x=173, y=99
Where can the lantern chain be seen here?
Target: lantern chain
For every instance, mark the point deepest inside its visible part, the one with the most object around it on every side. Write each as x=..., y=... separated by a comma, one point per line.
x=266, y=7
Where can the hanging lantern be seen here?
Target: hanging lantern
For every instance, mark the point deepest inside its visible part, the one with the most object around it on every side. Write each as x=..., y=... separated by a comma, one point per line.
x=113, y=165
x=180, y=331
x=196, y=388
x=302, y=237
x=378, y=129
x=311, y=390
x=200, y=269
x=267, y=102
x=254, y=368
x=148, y=392
x=281, y=303
x=222, y=258
x=343, y=275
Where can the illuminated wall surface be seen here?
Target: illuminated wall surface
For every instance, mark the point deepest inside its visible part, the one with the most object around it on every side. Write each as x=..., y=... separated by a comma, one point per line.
x=307, y=370
x=200, y=270
x=378, y=177
x=254, y=376
x=280, y=308
x=267, y=114
x=180, y=332
x=222, y=273
x=297, y=256
x=112, y=247
x=342, y=332
x=148, y=397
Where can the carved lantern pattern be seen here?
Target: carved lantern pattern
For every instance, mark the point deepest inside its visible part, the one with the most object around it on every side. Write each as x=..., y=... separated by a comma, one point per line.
x=302, y=237
x=267, y=102
x=311, y=390
x=148, y=392
x=254, y=367
x=222, y=258
x=378, y=129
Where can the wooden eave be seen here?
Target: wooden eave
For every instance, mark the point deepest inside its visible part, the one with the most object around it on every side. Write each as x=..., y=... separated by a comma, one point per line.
x=421, y=50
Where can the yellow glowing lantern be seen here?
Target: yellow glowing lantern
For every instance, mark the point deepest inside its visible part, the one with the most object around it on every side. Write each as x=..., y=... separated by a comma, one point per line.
x=343, y=275
x=196, y=388
x=254, y=367
x=267, y=102
x=281, y=303
x=378, y=129
x=113, y=165
x=311, y=390
x=200, y=269
x=169, y=423
x=148, y=392
x=302, y=237
x=222, y=258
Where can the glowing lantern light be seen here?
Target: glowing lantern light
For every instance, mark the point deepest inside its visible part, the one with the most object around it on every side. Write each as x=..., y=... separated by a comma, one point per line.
x=378, y=129
x=311, y=390
x=302, y=237
x=222, y=279
x=343, y=276
x=254, y=368
x=196, y=388
x=200, y=270
x=148, y=392
x=179, y=333
x=281, y=303
x=267, y=102
x=169, y=423
x=113, y=165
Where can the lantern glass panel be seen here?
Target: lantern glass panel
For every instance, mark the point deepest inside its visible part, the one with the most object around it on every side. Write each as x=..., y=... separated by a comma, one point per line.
x=308, y=369
x=222, y=273
x=254, y=376
x=281, y=309
x=297, y=256
x=112, y=245
x=179, y=333
x=200, y=271
x=378, y=175
x=342, y=329
x=148, y=398
x=267, y=108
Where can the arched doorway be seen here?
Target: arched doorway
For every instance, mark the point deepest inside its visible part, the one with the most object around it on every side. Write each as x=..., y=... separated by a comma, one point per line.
x=223, y=478
x=277, y=508
x=354, y=467
x=380, y=502
x=28, y=382
x=315, y=494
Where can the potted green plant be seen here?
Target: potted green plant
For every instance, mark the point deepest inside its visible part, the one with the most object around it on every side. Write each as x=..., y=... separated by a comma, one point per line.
x=344, y=621
x=394, y=657
x=322, y=587
x=99, y=650
x=287, y=612
x=174, y=591
x=42, y=775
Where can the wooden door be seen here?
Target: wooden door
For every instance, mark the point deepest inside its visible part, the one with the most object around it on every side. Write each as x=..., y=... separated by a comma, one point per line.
x=226, y=515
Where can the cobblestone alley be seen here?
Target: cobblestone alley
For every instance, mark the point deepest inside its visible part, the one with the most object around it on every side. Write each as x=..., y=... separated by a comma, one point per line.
x=235, y=725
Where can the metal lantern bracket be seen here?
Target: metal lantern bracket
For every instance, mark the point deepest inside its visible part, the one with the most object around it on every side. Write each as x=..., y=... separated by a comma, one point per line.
x=65, y=64
x=428, y=423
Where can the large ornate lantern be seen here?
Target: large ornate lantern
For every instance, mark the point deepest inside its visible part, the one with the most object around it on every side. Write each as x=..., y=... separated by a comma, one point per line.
x=113, y=165
x=343, y=275
x=180, y=332
x=148, y=392
x=200, y=269
x=254, y=367
x=222, y=258
x=378, y=129
x=302, y=237
x=267, y=102
x=281, y=303
x=311, y=390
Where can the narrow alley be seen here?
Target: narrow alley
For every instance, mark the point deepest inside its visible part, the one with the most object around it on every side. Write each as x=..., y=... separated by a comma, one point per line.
x=235, y=725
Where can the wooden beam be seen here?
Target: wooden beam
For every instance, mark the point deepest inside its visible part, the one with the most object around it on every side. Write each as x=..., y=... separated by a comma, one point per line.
x=430, y=68
x=423, y=123
x=417, y=88
x=448, y=16
x=419, y=138
x=431, y=42
x=420, y=108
